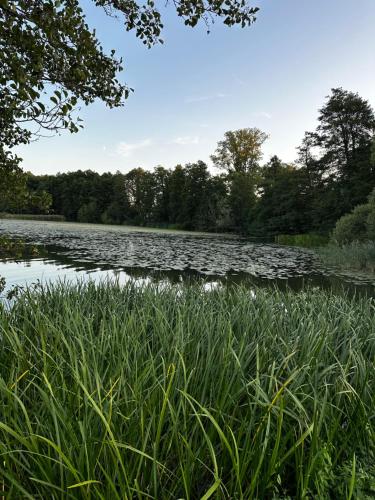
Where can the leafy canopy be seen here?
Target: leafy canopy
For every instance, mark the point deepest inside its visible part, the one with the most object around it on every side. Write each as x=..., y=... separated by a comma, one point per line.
x=50, y=59
x=240, y=151
x=346, y=127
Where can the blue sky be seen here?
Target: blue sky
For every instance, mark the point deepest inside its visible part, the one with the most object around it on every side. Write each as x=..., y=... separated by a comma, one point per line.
x=273, y=75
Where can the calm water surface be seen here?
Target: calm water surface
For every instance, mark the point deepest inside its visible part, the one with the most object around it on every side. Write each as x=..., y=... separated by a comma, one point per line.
x=88, y=251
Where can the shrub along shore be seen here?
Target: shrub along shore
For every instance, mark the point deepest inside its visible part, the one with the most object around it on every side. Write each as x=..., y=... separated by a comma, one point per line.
x=128, y=392
x=356, y=256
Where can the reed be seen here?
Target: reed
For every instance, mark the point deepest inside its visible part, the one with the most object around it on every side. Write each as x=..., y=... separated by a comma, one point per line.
x=359, y=256
x=308, y=240
x=131, y=392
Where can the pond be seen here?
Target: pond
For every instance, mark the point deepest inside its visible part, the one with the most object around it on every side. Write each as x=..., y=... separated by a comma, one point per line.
x=90, y=251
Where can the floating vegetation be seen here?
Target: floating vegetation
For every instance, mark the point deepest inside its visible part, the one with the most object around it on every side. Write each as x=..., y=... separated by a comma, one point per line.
x=121, y=247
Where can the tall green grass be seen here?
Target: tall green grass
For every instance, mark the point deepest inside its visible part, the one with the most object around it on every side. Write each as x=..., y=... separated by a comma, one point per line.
x=165, y=393
x=308, y=240
x=359, y=256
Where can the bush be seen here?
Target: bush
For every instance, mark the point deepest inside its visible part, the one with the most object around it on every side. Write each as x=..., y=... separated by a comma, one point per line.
x=353, y=226
x=88, y=212
x=114, y=214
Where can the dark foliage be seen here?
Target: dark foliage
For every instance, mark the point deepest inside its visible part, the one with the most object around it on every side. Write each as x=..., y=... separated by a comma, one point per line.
x=334, y=173
x=186, y=198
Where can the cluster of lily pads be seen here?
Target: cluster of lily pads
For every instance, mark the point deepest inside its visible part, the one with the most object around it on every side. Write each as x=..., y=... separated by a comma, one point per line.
x=204, y=254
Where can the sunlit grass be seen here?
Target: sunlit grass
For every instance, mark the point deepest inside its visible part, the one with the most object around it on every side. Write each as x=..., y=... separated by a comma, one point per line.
x=166, y=393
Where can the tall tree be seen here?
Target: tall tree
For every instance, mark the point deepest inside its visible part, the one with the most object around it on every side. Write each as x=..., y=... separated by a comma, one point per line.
x=140, y=194
x=118, y=209
x=337, y=156
x=177, y=190
x=240, y=150
x=239, y=154
x=161, y=192
x=284, y=202
x=346, y=127
x=197, y=197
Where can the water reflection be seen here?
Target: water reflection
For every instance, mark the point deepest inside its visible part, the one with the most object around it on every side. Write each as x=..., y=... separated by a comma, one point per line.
x=75, y=251
x=57, y=266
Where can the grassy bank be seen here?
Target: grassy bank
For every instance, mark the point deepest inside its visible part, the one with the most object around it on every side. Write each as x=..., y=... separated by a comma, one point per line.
x=353, y=256
x=307, y=240
x=111, y=392
x=55, y=218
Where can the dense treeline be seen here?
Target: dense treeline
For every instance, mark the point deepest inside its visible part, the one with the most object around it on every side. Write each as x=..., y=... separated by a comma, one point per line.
x=335, y=172
x=188, y=197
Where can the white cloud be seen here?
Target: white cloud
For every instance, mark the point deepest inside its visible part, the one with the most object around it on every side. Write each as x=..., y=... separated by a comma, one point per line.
x=218, y=95
x=185, y=141
x=126, y=149
x=262, y=114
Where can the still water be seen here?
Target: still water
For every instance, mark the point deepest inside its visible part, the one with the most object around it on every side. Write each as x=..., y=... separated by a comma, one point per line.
x=86, y=251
